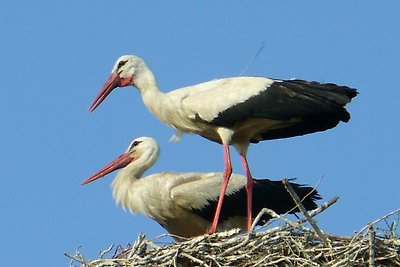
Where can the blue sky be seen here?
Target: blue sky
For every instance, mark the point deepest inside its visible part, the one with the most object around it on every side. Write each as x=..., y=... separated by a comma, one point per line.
x=55, y=56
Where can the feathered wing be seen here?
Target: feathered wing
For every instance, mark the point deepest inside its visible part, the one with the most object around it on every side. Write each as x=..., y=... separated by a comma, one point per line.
x=198, y=193
x=207, y=100
x=201, y=196
x=273, y=195
x=266, y=194
x=286, y=108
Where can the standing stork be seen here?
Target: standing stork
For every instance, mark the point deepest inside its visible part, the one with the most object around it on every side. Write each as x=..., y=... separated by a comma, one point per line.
x=184, y=203
x=235, y=111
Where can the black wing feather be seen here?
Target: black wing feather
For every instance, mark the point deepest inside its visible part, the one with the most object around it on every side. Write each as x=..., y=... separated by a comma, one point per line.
x=266, y=194
x=317, y=106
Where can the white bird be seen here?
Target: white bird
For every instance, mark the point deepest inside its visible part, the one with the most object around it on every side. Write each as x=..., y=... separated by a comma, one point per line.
x=235, y=111
x=184, y=203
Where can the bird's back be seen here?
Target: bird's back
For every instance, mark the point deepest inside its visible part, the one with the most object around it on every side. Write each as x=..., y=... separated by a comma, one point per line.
x=287, y=108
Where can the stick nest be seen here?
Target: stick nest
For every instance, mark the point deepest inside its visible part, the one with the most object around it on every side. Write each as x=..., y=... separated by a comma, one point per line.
x=292, y=243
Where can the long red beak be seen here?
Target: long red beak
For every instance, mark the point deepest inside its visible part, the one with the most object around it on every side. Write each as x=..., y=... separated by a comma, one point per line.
x=116, y=164
x=112, y=82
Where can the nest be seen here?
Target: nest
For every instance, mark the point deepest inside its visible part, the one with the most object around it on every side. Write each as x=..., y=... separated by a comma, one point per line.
x=292, y=243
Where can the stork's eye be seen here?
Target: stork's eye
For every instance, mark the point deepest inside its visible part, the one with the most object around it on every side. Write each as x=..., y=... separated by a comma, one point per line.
x=133, y=144
x=136, y=143
x=122, y=63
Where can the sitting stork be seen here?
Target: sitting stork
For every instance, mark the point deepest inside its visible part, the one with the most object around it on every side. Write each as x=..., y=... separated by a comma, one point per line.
x=184, y=203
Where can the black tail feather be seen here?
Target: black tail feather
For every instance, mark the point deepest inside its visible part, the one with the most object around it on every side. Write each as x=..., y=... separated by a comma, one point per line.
x=266, y=194
x=273, y=195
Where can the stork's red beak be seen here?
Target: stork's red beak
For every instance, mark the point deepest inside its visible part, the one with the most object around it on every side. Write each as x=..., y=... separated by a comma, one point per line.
x=112, y=82
x=116, y=164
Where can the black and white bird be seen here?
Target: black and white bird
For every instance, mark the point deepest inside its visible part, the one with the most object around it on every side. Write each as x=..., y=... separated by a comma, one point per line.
x=235, y=111
x=184, y=203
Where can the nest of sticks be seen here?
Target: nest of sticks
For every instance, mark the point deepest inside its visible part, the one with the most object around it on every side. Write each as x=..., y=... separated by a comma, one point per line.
x=292, y=243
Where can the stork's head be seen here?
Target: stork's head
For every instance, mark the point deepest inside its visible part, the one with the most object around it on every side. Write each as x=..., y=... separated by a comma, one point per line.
x=125, y=71
x=143, y=152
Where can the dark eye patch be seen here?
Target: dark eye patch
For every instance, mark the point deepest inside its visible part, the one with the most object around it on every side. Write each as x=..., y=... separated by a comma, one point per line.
x=135, y=143
x=122, y=63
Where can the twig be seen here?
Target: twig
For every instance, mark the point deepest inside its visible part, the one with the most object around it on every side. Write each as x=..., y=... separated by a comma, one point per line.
x=175, y=261
x=254, y=59
x=371, y=246
x=74, y=257
x=293, y=224
x=102, y=253
x=304, y=211
x=137, y=247
x=374, y=222
x=202, y=263
x=324, y=206
x=320, y=209
x=257, y=219
x=233, y=248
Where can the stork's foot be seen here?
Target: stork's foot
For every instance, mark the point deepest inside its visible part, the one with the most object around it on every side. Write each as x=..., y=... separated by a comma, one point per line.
x=212, y=230
x=248, y=225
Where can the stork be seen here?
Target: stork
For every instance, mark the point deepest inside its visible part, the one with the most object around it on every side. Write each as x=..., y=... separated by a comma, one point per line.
x=235, y=111
x=184, y=203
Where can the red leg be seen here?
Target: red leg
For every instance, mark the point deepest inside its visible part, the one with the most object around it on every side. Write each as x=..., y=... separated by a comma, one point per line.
x=249, y=190
x=227, y=175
